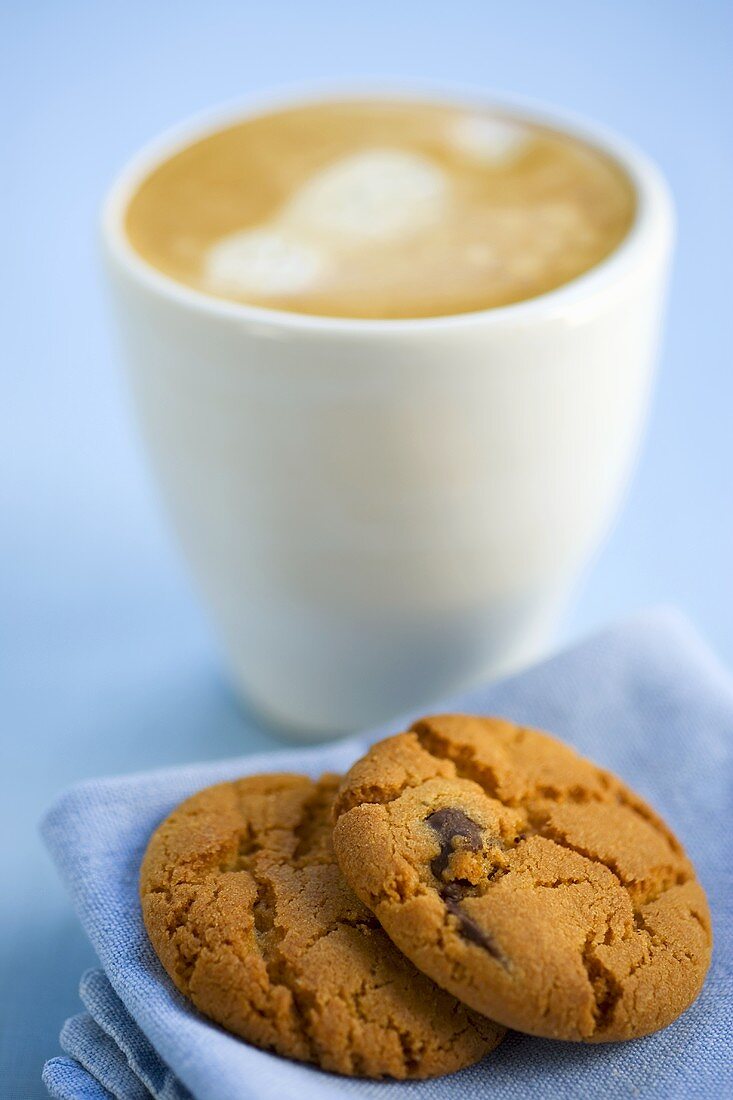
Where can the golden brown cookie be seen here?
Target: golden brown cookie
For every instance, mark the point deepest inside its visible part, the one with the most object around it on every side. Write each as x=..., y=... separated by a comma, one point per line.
x=248, y=912
x=529, y=883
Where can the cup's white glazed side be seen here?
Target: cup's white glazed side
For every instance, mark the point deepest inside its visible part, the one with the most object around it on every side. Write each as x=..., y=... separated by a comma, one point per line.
x=375, y=524
x=379, y=514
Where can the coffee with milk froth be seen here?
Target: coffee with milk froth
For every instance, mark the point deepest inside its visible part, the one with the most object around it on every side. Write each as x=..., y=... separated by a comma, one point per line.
x=381, y=209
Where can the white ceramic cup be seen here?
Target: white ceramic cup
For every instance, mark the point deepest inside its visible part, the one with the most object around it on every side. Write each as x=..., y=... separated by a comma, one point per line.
x=380, y=513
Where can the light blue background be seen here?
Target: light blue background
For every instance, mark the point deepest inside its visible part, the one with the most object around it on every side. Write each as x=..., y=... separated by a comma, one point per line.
x=106, y=662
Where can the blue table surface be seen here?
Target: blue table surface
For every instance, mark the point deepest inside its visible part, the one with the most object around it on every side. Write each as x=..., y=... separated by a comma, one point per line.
x=107, y=663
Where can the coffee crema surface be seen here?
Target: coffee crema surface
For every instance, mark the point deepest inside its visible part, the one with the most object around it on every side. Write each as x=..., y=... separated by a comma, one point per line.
x=381, y=209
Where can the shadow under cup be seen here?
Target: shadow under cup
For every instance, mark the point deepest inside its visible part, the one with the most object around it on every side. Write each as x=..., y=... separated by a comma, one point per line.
x=381, y=513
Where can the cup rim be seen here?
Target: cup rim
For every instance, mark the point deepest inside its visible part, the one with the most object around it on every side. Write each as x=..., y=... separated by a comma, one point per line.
x=652, y=226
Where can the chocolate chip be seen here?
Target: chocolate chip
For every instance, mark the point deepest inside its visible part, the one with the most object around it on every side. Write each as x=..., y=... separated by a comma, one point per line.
x=471, y=930
x=448, y=824
x=455, y=891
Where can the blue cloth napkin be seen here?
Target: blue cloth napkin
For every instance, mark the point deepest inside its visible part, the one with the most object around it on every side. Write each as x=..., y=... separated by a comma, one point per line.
x=645, y=699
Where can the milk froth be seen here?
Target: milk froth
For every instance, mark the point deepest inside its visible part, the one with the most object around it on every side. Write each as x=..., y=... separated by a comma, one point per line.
x=376, y=209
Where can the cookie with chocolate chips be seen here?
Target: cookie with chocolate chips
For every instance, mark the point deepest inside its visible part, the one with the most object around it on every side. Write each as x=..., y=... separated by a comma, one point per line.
x=525, y=880
x=249, y=914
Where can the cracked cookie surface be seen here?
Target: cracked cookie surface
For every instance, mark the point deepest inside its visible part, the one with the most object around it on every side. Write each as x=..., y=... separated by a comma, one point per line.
x=249, y=914
x=525, y=880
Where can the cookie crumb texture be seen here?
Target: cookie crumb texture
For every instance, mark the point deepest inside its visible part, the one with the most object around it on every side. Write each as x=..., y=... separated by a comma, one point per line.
x=534, y=886
x=249, y=914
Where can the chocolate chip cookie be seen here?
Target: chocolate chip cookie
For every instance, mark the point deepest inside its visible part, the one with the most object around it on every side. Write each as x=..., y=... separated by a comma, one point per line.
x=249, y=914
x=529, y=883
